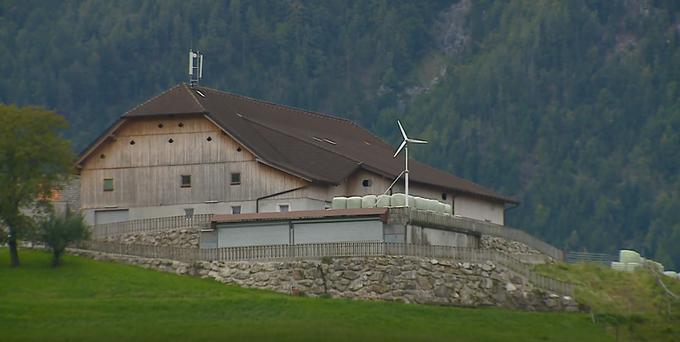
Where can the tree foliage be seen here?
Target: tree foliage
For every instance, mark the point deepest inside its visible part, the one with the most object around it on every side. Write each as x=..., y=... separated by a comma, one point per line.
x=59, y=231
x=34, y=159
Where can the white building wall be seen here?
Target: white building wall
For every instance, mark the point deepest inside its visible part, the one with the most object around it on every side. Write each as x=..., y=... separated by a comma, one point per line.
x=266, y=205
x=479, y=209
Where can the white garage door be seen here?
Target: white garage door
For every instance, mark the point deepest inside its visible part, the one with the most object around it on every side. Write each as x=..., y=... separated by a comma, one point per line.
x=253, y=235
x=338, y=232
x=109, y=216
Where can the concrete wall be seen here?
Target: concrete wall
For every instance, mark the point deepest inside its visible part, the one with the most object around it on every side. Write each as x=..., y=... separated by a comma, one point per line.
x=479, y=209
x=440, y=237
x=267, y=205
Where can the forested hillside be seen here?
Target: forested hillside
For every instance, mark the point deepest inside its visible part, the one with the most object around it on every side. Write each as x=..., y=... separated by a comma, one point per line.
x=572, y=106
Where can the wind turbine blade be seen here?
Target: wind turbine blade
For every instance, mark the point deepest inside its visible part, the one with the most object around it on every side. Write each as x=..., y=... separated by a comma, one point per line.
x=401, y=147
x=416, y=141
x=403, y=133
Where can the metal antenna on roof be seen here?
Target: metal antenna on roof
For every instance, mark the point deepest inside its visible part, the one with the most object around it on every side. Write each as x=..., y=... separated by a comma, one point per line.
x=404, y=146
x=195, y=67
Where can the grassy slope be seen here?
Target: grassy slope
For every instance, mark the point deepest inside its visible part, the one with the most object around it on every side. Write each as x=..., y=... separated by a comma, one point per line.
x=632, y=304
x=88, y=299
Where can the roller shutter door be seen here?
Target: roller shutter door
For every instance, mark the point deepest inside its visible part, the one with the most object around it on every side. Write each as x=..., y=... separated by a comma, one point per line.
x=338, y=232
x=244, y=235
x=110, y=216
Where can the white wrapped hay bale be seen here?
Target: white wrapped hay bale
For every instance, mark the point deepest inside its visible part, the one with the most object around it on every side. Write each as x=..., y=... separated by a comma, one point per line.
x=671, y=274
x=398, y=200
x=383, y=201
x=354, y=202
x=448, y=209
x=368, y=201
x=628, y=256
x=632, y=266
x=422, y=203
x=440, y=208
x=339, y=203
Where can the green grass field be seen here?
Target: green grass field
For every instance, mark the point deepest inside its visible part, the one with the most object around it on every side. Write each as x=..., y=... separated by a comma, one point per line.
x=633, y=306
x=93, y=300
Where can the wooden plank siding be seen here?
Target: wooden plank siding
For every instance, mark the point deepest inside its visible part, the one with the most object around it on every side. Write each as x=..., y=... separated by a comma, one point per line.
x=148, y=172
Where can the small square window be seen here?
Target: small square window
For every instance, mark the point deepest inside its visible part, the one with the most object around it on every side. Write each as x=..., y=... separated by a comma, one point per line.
x=284, y=208
x=235, y=210
x=186, y=181
x=108, y=184
x=235, y=178
x=366, y=183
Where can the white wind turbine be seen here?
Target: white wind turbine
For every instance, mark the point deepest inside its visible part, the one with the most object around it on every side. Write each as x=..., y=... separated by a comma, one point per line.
x=404, y=146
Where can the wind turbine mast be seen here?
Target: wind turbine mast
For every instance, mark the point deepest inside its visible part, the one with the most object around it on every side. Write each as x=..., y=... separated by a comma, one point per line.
x=404, y=146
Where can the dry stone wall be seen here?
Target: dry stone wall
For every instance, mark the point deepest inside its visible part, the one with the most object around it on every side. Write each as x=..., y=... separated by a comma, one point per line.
x=185, y=238
x=189, y=238
x=391, y=278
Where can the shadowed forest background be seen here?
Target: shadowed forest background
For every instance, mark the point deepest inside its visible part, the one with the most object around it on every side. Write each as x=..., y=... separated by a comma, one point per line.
x=572, y=106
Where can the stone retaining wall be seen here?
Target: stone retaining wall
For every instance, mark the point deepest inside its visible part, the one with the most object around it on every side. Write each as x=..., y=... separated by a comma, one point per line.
x=185, y=238
x=189, y=238
x=392, y=278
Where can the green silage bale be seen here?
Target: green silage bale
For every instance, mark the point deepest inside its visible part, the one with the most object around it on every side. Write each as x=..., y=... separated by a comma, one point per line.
x=339, y=203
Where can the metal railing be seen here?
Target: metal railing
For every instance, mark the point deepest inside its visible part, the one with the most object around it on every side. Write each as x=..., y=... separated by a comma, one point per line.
x=100, y=231
x=335, y=249
x=599, y=258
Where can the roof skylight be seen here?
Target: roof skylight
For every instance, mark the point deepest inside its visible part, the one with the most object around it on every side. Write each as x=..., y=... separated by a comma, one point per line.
x=326, y=140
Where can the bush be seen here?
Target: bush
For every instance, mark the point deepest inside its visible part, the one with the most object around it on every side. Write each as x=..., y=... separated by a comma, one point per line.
x=57, y=232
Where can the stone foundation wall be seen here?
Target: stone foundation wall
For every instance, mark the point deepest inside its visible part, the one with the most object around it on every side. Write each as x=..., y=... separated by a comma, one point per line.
x=189, y=238
x=407, y=279
x=186, y=238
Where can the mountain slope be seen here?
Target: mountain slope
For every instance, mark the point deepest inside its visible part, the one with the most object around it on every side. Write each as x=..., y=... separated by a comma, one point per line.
x=574, y=107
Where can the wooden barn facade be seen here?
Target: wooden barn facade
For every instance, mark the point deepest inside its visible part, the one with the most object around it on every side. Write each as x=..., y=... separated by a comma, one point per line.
x=215, y=152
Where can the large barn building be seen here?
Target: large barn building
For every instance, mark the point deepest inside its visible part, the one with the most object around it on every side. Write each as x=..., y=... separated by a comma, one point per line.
x=221, y=153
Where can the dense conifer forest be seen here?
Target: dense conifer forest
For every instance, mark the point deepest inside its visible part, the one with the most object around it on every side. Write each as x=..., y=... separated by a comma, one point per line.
x=572, y=106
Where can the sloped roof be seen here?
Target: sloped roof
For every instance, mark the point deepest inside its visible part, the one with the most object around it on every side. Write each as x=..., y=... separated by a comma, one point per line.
x=312, y=145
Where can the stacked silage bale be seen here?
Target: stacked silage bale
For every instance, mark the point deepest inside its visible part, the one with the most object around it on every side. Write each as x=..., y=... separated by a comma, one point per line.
x=392, y=201
x=629, y=261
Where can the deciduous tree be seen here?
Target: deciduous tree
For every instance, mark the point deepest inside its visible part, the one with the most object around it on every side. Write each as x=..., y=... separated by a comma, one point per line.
x=34, y=160
x=57, y=232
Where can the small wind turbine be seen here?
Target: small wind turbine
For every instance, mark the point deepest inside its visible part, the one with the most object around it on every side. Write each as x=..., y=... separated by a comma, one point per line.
x=404, y=146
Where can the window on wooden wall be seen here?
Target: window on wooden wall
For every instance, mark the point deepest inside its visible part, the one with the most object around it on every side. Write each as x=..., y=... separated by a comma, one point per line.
x=236, y=209
x=284, y=208
x=366, y=183
x=235, y=178
x=185, y=181
x=108, y=184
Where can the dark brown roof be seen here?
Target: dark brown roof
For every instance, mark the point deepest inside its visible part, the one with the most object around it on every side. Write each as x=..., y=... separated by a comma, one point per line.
x=302, y=215
x=314, y=146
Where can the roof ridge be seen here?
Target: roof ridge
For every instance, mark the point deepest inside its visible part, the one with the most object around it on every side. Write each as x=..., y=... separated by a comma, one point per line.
x=151, y=99
x=287, y=107
x=193, y=96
